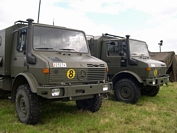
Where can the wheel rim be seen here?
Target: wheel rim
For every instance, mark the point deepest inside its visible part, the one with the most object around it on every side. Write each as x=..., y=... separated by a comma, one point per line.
x=125, y=92
x=22, y=106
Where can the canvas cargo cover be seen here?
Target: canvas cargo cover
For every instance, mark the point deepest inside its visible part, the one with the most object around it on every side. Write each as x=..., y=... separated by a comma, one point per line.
x=170, y=59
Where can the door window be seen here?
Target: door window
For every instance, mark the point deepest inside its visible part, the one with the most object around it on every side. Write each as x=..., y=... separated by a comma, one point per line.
x=113, y=49
x=22, y=36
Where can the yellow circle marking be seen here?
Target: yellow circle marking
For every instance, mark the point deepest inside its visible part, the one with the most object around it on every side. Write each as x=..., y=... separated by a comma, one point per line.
x=155, y=72
x=71, y=73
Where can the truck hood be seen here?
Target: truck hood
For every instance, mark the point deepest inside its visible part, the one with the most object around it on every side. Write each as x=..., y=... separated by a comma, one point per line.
x=74, y=68
x=73, y=60
x=150, y=62
x=157, y=68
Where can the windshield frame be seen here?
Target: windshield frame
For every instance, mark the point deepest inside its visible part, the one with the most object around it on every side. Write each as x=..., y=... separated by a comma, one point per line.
x=79, y=40
x=140, y=50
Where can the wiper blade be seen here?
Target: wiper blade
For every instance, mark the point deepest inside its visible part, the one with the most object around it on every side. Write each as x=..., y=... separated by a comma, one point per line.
x=137, y=54
x=141, y=54
x=67, y=49
x=134, y=54
x=44, y=48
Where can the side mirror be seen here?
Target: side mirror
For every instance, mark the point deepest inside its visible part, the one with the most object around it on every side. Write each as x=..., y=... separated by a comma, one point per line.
x=91, y=41
x=121, y=47
x=1, y=60
x=0, y=40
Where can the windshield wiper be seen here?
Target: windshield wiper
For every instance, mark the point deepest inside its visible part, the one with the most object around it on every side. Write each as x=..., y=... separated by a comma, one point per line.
x=141, y=54
x=134, y=54
x=137, y=54
x=44, y=48
x=67, y=49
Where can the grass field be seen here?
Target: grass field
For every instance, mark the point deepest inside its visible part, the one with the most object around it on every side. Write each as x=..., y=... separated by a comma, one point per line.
x=150, y=115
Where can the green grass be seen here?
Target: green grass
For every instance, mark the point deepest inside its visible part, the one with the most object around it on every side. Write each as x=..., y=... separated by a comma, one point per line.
x=150, y=115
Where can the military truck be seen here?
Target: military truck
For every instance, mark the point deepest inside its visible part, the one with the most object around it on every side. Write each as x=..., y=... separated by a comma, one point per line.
x=40, y=62
x=131, y=69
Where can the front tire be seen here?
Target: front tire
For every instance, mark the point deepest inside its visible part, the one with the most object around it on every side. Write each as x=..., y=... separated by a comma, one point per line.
x=127, y=91
x=28, y=105
x=92, y=104
x=150, y=91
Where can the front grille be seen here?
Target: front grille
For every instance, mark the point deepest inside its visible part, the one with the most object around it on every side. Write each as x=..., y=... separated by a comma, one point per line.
x=160, y=72
x=95, y=74
x=87, y=75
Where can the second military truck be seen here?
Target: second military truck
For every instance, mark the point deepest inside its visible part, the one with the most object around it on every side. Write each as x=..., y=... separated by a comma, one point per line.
x=41, y=62
x=131, y=69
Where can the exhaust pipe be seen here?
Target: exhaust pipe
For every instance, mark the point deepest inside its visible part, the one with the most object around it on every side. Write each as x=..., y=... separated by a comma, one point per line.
x=31, y=59
x=130, y=60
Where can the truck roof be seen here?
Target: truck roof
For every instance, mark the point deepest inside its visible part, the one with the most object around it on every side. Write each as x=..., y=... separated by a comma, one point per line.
x=24, y=23
x=112, y=37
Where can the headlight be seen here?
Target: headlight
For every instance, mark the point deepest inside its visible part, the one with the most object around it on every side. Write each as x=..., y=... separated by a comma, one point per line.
x=153, y=82
x=55, y=92
x=105, y=88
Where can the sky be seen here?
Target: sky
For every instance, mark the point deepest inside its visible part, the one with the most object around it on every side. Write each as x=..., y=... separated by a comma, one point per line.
x=146, y=20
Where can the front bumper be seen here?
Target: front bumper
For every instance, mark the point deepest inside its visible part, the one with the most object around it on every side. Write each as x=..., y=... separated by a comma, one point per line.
x=157, y=81
x=74, y=92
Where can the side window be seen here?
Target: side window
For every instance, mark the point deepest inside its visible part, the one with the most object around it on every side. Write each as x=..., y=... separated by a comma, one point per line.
x=113, y=49
x=22, y=36
x=0, y=40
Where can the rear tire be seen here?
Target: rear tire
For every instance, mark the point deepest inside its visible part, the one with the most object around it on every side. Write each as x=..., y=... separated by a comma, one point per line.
x=127, y=91
x=28, y=105
x=150, y=91
x=93, y=104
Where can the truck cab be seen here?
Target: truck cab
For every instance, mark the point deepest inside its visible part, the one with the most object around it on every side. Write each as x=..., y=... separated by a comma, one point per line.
x=131, y=68
x=40, y=62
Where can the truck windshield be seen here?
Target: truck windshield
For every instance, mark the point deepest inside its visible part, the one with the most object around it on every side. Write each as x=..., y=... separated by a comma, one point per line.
x=138, y=48
x=55, y=39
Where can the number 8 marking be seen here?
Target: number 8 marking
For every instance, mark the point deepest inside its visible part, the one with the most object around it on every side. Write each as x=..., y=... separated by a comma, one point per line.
x=71, y=73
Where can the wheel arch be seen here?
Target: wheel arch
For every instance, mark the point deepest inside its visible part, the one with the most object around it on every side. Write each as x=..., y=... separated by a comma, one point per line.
x=24, y=78
x=126, y=74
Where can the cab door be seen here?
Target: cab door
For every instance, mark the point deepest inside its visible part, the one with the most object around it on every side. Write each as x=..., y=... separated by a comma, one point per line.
x=18, y=59
x=116, y=62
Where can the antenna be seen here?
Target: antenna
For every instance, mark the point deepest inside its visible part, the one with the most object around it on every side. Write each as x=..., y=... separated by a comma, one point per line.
x=39, y=11
x=53, y=21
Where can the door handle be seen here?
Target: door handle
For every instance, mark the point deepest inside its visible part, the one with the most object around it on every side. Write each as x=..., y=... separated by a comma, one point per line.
x=107, y=61
x=15, y=58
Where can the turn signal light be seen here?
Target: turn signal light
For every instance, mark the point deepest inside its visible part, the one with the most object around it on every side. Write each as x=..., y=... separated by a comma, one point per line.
x=45, y=70
x=107, y=70
x=148, y=69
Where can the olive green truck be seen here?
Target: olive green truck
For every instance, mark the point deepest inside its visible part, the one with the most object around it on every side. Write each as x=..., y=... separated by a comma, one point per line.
x=40, y=62
x=131, y=69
